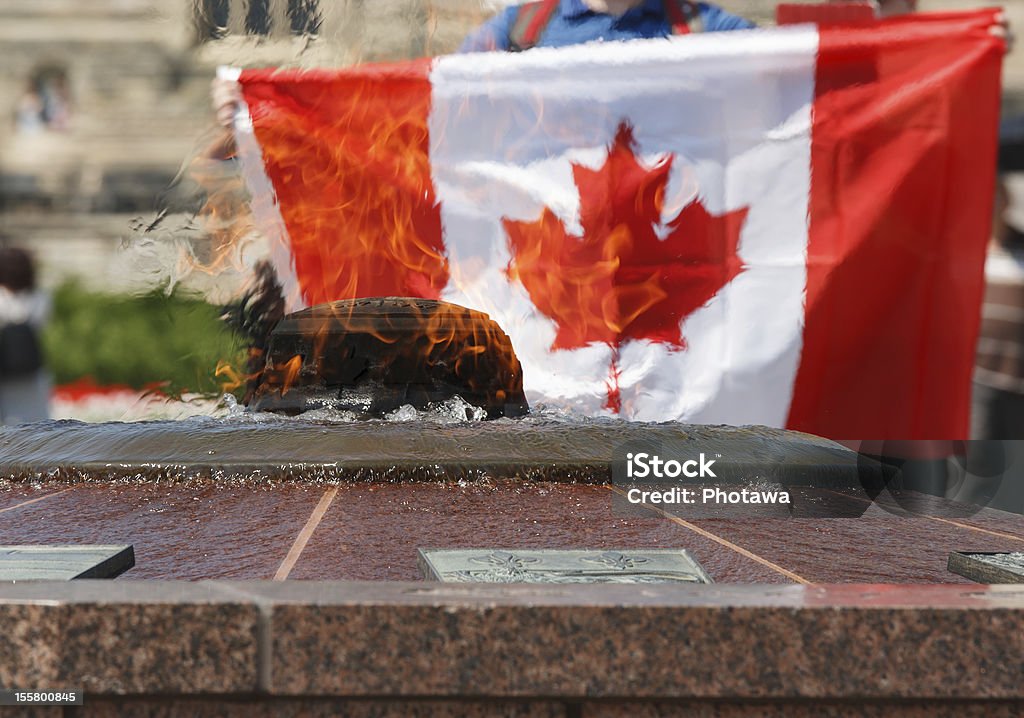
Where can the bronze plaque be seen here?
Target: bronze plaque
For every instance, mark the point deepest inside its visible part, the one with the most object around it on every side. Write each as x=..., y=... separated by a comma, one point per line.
x=62, y=563
x=988, y=567
x=487, y=565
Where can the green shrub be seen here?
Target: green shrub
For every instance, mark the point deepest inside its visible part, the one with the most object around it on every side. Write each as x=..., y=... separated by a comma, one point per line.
x=139, y=341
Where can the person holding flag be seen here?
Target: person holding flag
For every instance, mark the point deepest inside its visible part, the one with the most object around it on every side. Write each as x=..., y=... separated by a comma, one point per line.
x=686, y=230
x=556, y=23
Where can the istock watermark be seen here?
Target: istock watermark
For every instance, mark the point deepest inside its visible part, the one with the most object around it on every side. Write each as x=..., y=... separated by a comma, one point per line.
x=708, y=495
x=642, y=465
x=697, y=479
x=792, y=475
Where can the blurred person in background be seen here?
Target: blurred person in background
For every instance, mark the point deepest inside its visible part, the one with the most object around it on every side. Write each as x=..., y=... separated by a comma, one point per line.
x=995, y=457
x=997, y=410
x=556, y=23
x=24, y=382
x=891, y=8
x=29, y=112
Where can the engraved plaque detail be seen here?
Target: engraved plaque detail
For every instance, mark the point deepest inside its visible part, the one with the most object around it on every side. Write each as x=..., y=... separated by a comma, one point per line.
x=561, y=566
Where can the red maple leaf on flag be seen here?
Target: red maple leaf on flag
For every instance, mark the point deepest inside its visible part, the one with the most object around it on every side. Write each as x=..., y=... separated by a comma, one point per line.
x=620, y=281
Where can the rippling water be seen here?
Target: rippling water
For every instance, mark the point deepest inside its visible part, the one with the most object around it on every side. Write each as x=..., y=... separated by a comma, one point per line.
x=447, y=442
x=224, y=496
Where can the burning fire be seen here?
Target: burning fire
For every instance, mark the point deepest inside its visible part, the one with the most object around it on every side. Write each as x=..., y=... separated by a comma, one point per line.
x=215, y=239
x=283, y=374
x=225, y=220
x=351, y=169
x=233, y=379
x=374, y=355
x=372, y=228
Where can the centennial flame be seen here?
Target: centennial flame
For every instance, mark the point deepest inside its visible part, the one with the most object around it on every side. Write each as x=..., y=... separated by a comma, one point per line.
x=374, y=355
x=350, y=166
x=372, y=227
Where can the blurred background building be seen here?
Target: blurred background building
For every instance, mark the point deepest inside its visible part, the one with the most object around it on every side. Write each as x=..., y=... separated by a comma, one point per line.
x=102, y=103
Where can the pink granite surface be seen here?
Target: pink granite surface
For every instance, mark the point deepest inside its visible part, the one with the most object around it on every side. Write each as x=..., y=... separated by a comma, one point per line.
x=516, y=642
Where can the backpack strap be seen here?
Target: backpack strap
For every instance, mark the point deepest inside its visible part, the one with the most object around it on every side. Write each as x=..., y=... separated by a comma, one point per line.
x=531, y=20
x=683, y=16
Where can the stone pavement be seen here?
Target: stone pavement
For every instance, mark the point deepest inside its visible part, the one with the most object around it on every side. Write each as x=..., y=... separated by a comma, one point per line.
x=365, y=531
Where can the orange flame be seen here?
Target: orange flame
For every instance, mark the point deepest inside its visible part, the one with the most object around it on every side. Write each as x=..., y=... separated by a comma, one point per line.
x=350, y=166
x=225, y=218
x=235, y=378
x=349, y=161
x=433, y=349
x=290, y=370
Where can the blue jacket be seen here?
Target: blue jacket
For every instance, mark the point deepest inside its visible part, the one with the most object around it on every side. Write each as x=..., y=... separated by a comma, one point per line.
x=574, y=23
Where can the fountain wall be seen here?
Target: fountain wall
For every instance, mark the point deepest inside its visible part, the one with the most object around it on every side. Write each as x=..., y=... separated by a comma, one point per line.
x=399, y=649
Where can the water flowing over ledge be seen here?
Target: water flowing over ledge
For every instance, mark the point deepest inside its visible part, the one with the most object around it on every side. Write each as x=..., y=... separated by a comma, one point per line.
x=410, y=446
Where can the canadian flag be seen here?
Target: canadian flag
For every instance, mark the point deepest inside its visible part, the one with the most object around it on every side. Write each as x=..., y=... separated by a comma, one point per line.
x=783, y=227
